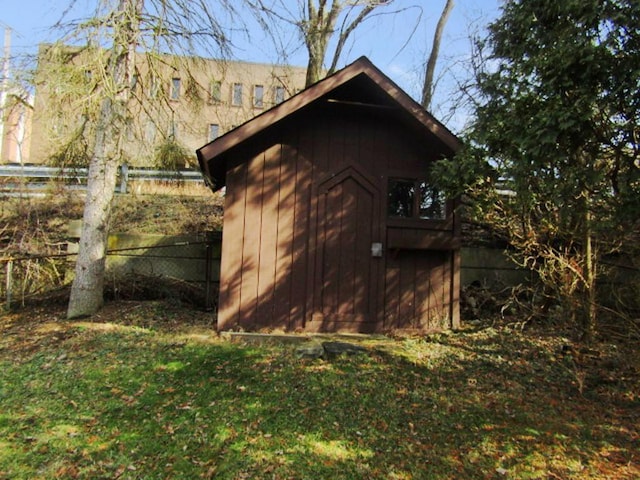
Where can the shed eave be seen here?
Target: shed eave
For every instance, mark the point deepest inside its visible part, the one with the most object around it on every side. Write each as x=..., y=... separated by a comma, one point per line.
x=208, y=154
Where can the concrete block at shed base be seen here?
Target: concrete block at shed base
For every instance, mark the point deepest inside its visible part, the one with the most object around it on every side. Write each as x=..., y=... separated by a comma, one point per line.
x=263, y=338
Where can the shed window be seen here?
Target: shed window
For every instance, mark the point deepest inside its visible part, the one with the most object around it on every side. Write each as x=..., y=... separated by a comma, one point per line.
x=408, y=198
x=432, y=204
x=402, y=195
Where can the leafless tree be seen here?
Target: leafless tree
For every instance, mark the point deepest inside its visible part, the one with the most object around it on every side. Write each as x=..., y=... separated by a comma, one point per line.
x=115, y=31
x=428, y=86
x=321, y=22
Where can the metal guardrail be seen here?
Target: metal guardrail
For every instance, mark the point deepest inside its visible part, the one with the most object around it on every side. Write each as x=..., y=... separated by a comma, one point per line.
x=33, y=176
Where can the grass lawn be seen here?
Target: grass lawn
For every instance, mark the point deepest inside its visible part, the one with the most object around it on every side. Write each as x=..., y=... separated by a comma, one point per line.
x=147, y=391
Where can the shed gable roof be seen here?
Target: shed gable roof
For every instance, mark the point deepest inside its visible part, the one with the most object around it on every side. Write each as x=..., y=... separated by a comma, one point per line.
x=359, y=83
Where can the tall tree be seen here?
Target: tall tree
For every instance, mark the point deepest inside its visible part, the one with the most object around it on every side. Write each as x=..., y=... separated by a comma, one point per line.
x=155, y=27
x=319, y=23
x=87, y=289
x=556, y=131
x=430, y=68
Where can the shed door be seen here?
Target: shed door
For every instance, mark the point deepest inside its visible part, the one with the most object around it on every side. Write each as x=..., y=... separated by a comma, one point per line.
x=346, y=274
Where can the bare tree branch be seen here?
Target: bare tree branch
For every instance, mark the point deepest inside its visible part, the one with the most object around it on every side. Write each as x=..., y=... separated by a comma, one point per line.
x=427, y=88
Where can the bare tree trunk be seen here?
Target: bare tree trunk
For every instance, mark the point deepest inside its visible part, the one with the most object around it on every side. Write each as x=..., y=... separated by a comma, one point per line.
x=87, y=289
x=317, y=30
x=427, y=87
x=320, y=25
x=590, y=309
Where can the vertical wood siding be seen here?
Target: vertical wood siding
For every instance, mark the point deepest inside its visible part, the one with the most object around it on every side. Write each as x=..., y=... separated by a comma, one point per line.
x=301, y=212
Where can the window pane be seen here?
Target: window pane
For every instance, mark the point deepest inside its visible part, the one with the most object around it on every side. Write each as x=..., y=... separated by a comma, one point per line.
x=401, y=197
x=237, y=94
x=175, y=88
x=278, y=95
x=258, y=94
x=432, y=202
x=214, y=92
x=214, y=131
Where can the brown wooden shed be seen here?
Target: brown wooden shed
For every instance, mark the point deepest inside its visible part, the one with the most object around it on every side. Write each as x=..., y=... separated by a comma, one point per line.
x=330, y=220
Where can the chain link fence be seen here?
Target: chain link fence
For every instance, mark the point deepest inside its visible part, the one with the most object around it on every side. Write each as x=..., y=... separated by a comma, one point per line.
x=186, y=268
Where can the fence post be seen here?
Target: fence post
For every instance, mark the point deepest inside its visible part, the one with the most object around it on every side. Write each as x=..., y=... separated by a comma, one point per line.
x=9, y=283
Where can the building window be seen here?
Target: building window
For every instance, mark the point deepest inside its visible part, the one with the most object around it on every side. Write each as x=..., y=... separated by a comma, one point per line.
x=236, y=95
x=214, y=131
x=409, y=198
x=215, y=89
x=175, y=89
x=278, y=95
x=258, y=96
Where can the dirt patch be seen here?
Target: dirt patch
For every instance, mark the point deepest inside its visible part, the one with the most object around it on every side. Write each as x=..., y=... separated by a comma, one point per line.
x=29, y=329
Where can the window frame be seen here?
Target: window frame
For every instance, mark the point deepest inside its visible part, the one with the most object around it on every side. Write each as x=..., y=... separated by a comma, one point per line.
x=276, y=90
x=237, y=88
x=446, y=222
x=174, y=91
x=215, y=92
x=210, y=129
x=258, y=96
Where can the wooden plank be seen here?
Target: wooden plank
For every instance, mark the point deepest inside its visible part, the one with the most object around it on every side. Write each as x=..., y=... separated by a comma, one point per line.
x=365, y=287
x=348, y=250
x=251, y=247
x=407, y=290
x=285, y=237
x=330, y=258
x=322, y=145
x=303, y=231
x=318, y=158
x=420, y=239
x=436, y=297
x=455, y=289
x=268, y=236
x=232, y=249
x=336, y=145
x=445, y=316
x=371, y=146
x=423, y=274
x=391, y=291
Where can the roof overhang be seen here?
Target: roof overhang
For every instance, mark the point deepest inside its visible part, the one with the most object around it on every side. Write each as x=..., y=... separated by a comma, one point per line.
x=361, y=75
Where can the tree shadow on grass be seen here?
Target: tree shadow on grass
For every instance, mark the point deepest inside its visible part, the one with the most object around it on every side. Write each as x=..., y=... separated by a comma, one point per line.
x=483, y=405
x=508, y=410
